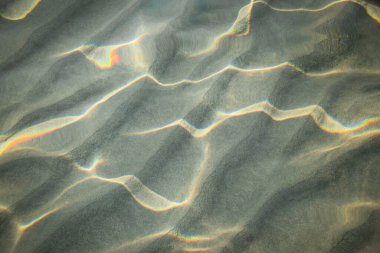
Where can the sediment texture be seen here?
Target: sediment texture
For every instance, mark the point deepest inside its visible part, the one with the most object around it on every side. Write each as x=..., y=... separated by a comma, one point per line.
x=189, y=126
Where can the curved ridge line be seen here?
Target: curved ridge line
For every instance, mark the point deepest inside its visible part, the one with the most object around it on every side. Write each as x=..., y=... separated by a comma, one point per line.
x=361, y=3
x=322, y=119
x=144, y=196
x=50, y=126
x=230, y=32
x=371, y=10
x=26, y=226
x=349, y=209
x=109, y=52
x=198, y=242
x=30, y=6
x=179, y=237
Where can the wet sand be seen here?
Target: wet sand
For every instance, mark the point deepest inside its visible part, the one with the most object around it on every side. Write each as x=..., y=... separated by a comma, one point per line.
x=189, y=126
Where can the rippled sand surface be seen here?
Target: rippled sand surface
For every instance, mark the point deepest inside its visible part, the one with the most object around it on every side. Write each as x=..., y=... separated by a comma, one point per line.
x=189, y=126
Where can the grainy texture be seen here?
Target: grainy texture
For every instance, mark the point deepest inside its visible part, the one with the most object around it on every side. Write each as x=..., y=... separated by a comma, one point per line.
x=189, y=126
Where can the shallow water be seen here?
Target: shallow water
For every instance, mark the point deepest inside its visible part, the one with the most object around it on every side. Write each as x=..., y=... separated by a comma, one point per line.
x=189, y=126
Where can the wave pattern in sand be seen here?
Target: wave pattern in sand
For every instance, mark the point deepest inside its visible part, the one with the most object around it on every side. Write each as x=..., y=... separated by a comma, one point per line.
x=189, y=126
